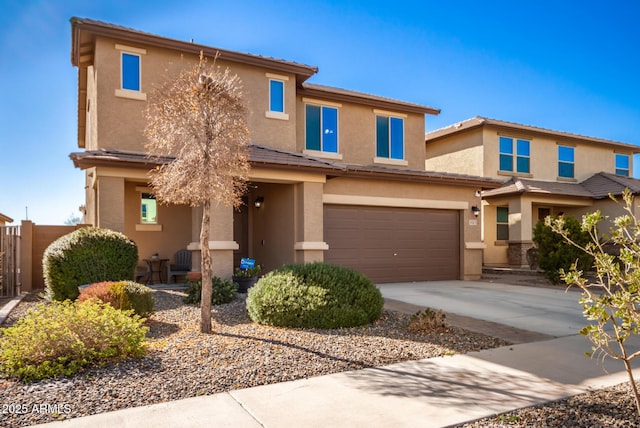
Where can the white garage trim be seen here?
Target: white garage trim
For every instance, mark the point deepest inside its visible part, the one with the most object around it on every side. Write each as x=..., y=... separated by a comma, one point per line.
x=378, y=201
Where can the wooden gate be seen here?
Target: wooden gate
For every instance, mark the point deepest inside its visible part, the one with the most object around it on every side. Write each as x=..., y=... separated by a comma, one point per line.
x=9, y=261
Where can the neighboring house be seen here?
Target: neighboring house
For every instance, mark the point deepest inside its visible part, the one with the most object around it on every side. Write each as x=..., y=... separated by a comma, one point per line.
x=336, y=175
x=545, y=173
x=4, y=220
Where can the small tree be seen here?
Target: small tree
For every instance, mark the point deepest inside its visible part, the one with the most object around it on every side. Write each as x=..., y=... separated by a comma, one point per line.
x=555, y=253
x=200, y=118
x=612, y=301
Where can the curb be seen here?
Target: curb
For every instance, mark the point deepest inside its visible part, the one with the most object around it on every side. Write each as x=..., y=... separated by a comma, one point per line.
x=6, y=309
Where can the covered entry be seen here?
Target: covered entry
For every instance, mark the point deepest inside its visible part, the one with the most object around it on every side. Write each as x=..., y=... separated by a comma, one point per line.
x=390, y=244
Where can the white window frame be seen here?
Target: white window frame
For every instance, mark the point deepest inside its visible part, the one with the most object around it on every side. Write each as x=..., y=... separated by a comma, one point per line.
x=276, y=114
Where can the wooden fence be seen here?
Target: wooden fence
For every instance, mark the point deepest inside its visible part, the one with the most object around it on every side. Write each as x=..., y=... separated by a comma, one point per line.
x=10, y=279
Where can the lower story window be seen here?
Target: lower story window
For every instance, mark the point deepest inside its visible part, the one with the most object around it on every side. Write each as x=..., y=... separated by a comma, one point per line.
x=148, y=209
x=502, y=223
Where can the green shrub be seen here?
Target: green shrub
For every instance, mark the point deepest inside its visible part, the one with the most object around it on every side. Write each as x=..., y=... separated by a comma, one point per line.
x=86, y=256
x=555, y=253
x=61, y=338
x=123, y=295
x=223, y=291
x=314, y=295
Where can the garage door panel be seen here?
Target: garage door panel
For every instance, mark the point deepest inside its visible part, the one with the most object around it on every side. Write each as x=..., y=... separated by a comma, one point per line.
x=425, y=242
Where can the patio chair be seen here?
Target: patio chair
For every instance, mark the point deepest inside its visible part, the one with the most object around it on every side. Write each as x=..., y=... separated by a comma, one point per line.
x=181, y=265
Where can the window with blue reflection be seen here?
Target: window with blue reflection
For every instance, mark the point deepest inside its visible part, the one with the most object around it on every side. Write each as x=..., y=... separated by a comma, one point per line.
x=130, y=71
x=390, y=137
x=321, y=128
x=566, y=162
x=506, y=154
x=523, y=156
x=276, y=96
x=623, y=165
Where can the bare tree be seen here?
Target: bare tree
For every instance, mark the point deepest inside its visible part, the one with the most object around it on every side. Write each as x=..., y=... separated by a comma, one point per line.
x=200, y=119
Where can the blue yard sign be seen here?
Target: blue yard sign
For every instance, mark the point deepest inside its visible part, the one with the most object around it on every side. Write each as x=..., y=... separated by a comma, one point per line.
x=247, y=263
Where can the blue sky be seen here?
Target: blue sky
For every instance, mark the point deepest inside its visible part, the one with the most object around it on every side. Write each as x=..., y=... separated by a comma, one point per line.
x=566, y=65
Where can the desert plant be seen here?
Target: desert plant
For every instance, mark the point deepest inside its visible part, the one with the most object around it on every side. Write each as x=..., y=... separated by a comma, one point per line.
x=86, y=256
x=123, y=295
x=314, y=295
x=611, y=301
x=248, y=272
x=428, y=320
x=555, y=253
x=60, y=338
x=223, y=291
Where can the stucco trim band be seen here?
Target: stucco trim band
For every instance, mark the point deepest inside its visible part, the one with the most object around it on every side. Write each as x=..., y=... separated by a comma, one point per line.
x=215, y=245
x=394, y=202
x=311, y=245
x=475, y=245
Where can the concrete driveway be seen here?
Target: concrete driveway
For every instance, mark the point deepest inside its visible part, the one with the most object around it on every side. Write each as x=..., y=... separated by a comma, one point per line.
x=544, y=310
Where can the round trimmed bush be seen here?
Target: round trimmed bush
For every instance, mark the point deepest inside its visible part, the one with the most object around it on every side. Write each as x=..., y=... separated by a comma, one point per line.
x=86, y=256
x=314, y=295
x=222, y=291
x=122, y=295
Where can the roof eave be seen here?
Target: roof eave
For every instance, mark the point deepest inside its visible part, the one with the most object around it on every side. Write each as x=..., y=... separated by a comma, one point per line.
x=372, y=101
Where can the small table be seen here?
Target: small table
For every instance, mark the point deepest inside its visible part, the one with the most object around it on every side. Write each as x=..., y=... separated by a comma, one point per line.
x=156, y=267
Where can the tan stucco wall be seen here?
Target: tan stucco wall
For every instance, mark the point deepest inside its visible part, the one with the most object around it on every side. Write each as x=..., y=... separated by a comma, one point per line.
x=120, y=121
x=589, y=158
x=463, y=153
x=476, y=152
x=357, y=132
x=175, y=221
x=91, y=110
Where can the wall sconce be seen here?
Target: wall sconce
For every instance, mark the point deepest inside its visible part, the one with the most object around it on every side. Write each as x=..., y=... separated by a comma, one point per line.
x=475, y=210
x=258, y=202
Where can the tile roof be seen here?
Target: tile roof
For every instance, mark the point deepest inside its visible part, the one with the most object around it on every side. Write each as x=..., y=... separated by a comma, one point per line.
x=117, y=31
x=598, y=186
x=484, y=121
x=276, y=158
x=315, y=90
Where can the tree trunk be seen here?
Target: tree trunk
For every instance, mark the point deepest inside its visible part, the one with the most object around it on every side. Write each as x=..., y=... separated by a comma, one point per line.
x=634, y=387
x=205, y=269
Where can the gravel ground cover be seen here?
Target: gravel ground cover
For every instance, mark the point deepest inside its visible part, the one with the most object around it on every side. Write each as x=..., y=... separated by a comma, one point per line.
x=183, y=363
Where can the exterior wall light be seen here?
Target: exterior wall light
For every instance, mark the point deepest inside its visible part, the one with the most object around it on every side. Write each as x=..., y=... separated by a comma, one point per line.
x=475, y=210
x=258, y=202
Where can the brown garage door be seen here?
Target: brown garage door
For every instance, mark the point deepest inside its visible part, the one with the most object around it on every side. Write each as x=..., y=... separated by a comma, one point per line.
x=393, y=244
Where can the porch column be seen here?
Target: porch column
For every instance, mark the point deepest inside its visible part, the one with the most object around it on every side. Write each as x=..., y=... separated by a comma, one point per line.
x=309, y=245
x=520, y=231
x=111, y=203
x=221, y=243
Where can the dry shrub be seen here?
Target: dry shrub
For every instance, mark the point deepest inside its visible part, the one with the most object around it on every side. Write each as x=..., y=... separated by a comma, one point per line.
x=428, y=321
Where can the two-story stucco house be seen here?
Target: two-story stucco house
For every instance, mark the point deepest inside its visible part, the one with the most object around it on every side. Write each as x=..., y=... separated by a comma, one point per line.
x=545, y=173
x=336, y=175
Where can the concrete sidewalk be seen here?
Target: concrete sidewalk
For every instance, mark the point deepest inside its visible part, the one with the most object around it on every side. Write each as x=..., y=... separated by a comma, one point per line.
x=436, y=392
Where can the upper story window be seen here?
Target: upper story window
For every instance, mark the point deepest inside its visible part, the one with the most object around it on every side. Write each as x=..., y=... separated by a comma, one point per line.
x=389, y=137
x=321, y=129
x=277, y=103
x=131, y=73
x=502, y=223
x=566, y=165
x=518, y=150
x=276, y=95
x=623, y=164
